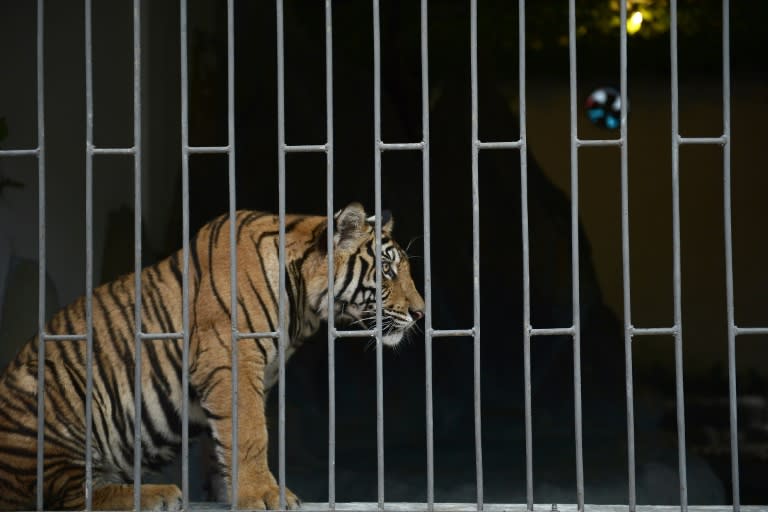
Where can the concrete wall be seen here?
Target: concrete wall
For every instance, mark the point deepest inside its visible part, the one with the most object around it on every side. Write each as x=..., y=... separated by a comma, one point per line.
x=65, y=111
x=650, y=206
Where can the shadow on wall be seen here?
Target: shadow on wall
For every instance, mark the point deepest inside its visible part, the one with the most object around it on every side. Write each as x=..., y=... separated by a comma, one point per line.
x=19, y=273
x=18, y=306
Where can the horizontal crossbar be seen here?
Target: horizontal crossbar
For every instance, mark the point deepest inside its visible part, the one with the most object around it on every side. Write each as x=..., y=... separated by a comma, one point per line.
x=447, y=333
x=19, y=152
x=355, y=334
x=653, y=331
x=254, y=335
x=113, y=151
x=599, y=142
x=555, y=331
x=161, y=335
x=488, y=507
x=306, y=148
x=750, y=330
x=513, y=144
x=211, y=150
x=64, y=337
x=720, y=141
x=400, y=146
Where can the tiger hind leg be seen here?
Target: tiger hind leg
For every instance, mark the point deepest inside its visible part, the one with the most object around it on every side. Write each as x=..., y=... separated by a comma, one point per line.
x=153, y=497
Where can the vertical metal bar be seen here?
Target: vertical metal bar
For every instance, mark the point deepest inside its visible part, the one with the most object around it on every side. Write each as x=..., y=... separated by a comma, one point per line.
x=732, y=397
x=575, y=298
x=526, y=260
x=676, y=277
x=185, y=256
x=281, y=243
x=626, y=277
x=235, y=464
x=377, y=212
x=427, y=253
x=476, y=256
x=331, y=264
x=137, y=451
x=88, y=256
x=41, y=257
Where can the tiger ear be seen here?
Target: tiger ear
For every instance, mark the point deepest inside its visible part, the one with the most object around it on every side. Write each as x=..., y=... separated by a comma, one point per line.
x=387, y=222
x=350, y=225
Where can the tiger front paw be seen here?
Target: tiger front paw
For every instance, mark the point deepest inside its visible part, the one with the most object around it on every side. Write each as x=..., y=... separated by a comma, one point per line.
x=160, y=498
x=268, y=498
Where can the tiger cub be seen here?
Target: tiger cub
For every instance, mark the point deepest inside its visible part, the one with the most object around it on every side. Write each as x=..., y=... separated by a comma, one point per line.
x=210, y=370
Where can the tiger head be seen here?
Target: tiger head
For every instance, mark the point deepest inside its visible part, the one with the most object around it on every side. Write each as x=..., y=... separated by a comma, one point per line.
x=355, y=276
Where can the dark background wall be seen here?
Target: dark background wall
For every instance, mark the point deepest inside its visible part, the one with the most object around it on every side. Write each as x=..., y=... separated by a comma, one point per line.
x=549, y=195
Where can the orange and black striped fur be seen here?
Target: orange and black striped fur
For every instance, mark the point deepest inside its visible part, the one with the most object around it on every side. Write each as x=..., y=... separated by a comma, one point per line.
x=209, y=357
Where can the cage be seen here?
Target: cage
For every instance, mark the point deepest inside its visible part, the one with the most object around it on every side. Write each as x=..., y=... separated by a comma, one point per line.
x=582, y=248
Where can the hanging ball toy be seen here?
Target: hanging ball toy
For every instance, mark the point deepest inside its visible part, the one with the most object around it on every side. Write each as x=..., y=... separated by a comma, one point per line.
x=604, y=107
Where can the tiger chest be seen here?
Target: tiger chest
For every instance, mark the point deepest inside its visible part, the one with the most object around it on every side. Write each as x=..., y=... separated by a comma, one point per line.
x=301, y=329
x=272, y=370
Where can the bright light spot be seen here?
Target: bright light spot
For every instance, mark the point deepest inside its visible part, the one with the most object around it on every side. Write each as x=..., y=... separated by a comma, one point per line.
x=634, y=22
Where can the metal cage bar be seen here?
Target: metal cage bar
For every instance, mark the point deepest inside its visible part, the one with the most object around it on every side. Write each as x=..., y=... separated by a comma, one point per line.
x=208, y=150
x=528, y=331
x=364, y=333
x=597, y=142
x=20, y=152
x=728, y=220
x=41, y=255
x=476, y=255
x=653, y=331
x=754, y=331
x=400, y=146
x=452, y=333
x=282, y=300
x=720, y=141
x=138, y=339
x=625, y=261
x=513, y=507
x=233, y=304
x=88, y=255
x=429, y=333
x=575, y=278
x=63, y=337
x=676, y=272
x=185, y=152
x=377, y=231
x=304, y=148
x=329, y=250
x=162, y=335
x=515, y=144
x=113, y=151
x=552, y=331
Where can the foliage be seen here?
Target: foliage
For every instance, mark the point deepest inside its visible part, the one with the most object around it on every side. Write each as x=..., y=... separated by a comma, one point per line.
x=596, y=19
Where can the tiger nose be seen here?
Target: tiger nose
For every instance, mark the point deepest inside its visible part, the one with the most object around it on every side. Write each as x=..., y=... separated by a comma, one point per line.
x=417, y=314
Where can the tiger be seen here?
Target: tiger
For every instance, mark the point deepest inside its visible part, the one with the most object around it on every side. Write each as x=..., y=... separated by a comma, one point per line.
x=210, y=358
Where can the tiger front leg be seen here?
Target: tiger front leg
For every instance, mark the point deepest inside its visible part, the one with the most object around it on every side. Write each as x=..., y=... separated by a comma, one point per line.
x=256, y=486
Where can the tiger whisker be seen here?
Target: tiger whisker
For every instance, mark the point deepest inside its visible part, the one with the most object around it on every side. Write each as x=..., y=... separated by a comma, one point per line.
x=411, y=243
